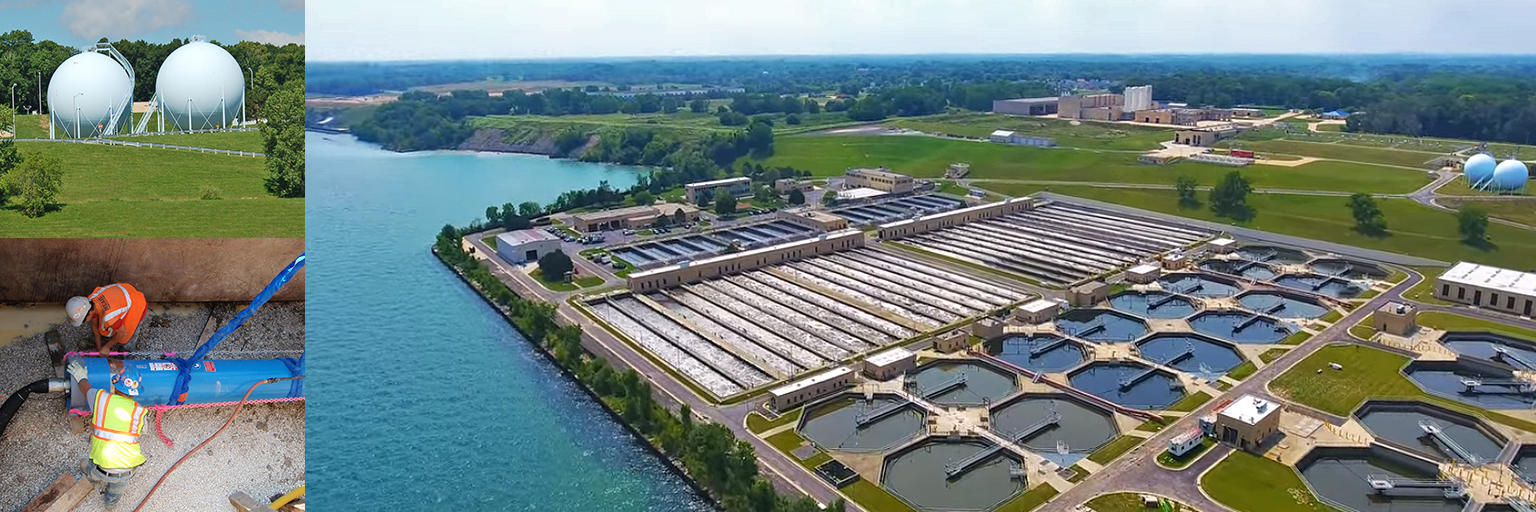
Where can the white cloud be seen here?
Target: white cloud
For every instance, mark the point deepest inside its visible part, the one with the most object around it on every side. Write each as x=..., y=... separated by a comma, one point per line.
x=291, y=5
x=268, y=36
x=122, y=19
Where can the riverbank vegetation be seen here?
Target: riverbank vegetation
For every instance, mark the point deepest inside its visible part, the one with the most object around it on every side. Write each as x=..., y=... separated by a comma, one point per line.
x=709, y=452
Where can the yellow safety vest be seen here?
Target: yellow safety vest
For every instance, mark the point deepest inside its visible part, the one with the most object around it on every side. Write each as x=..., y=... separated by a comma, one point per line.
x=116, y=422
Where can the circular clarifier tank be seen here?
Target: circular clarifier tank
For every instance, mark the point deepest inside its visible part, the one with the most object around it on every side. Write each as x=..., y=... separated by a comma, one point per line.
x=1349, y=269
x=1282, y=305
x=1240, y=327
x=848, y=423
x=1402, y=423
x=1339, y=474
x=1152, y=304
x=1272, y=254
x=1040, y=352
x=1330, y=286
x=1516, y=353
x=1129, y=384
x=1450, y=379
x=917, y=475
x=1248, y=269
x=939, y=382
x=1190, y=353
x=1081, y=427
x=1100, y=325
x=1198, y=285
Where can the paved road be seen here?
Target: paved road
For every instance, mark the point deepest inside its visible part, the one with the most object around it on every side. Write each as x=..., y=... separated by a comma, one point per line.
x=1136, y=466
x=1254, y=234
x=788, y=476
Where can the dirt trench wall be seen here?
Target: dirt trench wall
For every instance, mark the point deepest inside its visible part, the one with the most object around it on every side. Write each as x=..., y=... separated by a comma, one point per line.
x=163, y=269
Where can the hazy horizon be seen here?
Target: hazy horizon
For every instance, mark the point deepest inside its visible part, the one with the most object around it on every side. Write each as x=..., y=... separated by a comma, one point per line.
x=475, y=30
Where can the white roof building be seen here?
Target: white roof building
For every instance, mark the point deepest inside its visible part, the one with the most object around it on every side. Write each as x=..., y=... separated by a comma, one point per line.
x=810, y=382
x=1039, y=306
x=889, y=357
x=860, y=193
x=1249, y=409
x=1491, y=278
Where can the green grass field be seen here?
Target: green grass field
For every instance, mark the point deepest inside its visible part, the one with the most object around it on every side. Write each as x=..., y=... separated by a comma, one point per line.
x=1367, y=372
x=31, y=127
x=1119, y=502
x=1191, y=402
x=1351, y=153
x=927, y=157
x=1242, y=371
x=151, y=218
x=1114, y=449
x=1424, y=291
x=1030, y=500
x=1273, y=354
x=1083, y=135
x=1414, y=229
x=1452, y=322
x=875, y=499
x=1167, y=459
x=1522, y=211
x=235, y=141
x=758, y=423
x=1251, y=483
x=142, y=192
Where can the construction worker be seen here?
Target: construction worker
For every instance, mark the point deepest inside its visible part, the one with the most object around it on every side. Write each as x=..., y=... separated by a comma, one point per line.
x=115, y=311
x=116, y=422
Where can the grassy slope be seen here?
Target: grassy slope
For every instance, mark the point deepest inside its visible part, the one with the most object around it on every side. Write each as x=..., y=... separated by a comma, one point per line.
x=1521, y=211
x=1083, y=135
x=1415, y=230
x=100, y=172
x=928, y=157
x=235, y=141
x=1450, y=322
x=1348, y=152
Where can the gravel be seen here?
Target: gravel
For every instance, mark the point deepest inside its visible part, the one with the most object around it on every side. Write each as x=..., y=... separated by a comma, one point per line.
x=261, y=454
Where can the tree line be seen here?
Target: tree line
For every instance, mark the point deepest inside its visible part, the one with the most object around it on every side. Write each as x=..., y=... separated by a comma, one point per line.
x=719, y=462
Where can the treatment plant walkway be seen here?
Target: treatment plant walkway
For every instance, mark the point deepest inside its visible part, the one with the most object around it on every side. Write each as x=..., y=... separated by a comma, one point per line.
x=1137, y=471
x=787, y=475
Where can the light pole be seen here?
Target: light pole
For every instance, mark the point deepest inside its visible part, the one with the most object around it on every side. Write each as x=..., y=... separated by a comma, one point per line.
x=13, y=111
x=250, y=87
x=77, y=112
x=39, y=92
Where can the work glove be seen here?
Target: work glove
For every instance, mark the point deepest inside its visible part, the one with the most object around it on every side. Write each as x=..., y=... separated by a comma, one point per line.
x=76, y=370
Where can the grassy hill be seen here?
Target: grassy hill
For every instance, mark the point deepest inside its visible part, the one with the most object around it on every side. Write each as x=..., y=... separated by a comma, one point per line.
x=234, y=141
x=141, y=192
x=927, y=157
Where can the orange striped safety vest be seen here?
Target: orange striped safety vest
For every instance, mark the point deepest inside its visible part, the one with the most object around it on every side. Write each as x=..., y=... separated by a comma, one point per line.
x=119, y=309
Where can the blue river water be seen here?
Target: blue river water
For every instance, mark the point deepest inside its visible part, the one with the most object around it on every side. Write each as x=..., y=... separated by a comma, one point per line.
x=421, y=397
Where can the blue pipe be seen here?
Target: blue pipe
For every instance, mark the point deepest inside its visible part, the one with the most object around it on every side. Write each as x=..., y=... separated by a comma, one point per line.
x=220, y=380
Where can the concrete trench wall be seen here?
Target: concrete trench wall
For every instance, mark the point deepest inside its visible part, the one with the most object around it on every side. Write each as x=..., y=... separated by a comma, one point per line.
x=163, y=269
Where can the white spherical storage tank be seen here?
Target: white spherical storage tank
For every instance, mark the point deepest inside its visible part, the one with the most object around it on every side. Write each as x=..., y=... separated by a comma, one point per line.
x=86, y=91
x=1479, y=168
x=1509, y=176
x=201, y=87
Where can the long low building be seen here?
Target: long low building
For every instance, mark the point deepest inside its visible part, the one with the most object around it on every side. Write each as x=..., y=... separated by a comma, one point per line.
x=788, y=396
x=705, y=190
x=634, y=217
x=1027, y=106
x=525, y=245
x=700, y=269
x=881, y=179
x=942, y=220
x=1499, y=289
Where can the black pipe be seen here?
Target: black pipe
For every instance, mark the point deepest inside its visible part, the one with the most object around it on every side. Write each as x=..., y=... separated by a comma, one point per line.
x=13, y=403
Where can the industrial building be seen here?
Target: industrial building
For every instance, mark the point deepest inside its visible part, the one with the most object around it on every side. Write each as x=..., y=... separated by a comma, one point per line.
x=1026, y=106
x=814, y=219
x=1336, y=115
x=1143, y=274
x=1247, y=113
x=1510, y=291
x=525, y=245
x=1012, y=137
x=1100, y=107
x=1181, y=116
x=1138, y=98
x=1204, y=137
x=1088, y=294
x=1183, y=443
x=889, y=364
x=634, y=217
x=881, y=179
x=1395, y=318
x=697, y=270
x=1247, y=422
x=1037, y=312
x=785, y=185
x=788, y=396
x=705, y=190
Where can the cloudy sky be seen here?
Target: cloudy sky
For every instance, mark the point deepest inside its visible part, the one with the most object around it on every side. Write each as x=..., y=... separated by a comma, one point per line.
x=491, y=29
x=82, y=22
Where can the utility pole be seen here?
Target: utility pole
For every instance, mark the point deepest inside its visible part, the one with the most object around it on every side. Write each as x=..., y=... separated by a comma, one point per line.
x=13, y=111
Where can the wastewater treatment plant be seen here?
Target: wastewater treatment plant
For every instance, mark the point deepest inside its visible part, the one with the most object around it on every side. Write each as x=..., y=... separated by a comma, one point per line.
x=932, y=353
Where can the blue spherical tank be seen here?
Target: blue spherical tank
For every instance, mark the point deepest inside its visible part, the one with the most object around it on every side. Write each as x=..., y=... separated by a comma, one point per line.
x=1510, y=175
x=1479, y=168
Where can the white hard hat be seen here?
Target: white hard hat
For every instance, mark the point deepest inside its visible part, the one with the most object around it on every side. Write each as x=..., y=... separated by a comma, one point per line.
x=77, y=308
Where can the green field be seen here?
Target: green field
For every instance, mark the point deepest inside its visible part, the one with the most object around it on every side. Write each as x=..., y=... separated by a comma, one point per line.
x=143, y=192
x=1114, y=449
x=1424, y=291
x=1086, y=135
x=1030, y=500
x=1414, y=229
x=927, y=157
x=1242, y=371
x=1191, y=402
x=235, y=141
x=1272, y=354
x=31, y=127
x=1119, y=502
x=1351, y=153
x=1452, y=322
x=1251, y=483
x=227, y=218
x=683, y=122
x=1522, y=211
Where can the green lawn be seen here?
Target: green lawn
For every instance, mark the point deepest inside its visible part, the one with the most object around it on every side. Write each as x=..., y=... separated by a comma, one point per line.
x=786, y=441
x=1030, y=500
x=1362, y=330
x=1191, y=402
x=236, y=141
x=1347, y=152
x=1452, y=322
x=489, y=241
x=1522, y=211
x=874, y=498
x=31, y=127
x=1084, y=135
x=1333, y=315
x=1425, y=290
x=1114, y=449
x=1415, y=230
x=1179, y=462
x=1252, y=483
x=1272, y=354
x=101, y=172
x=1151, y=426
x=140, y=218
x=758, y=423
x=555, y=286
x=1242, y=371
x=927, y=157
x=1121, y=502
x=1367, y=372
x=1296, y=338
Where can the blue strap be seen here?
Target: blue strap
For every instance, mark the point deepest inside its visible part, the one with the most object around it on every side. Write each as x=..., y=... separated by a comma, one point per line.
x=295, y=368
x=184, y=366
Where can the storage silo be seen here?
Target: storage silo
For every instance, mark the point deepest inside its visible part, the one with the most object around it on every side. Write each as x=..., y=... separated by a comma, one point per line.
x=91, y=94
x=1479, y=169
x=200, y=87
x=1509, y=176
